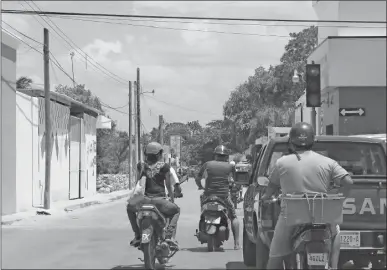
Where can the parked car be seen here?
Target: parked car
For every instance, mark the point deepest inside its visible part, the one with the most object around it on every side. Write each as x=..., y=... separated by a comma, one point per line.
x=363, y=232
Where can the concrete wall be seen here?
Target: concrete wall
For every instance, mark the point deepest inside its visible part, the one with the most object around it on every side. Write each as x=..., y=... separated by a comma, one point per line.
x=347, y=11
x=357, y=62
x=373, y=99
x=27, y=120
x=91, y=154
x=351, y=62
x=329, y=111
x=60, y=165
x=8, y=124
x=326, y=10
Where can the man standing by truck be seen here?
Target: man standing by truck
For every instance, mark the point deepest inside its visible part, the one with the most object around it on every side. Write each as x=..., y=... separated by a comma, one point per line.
x=303, y=171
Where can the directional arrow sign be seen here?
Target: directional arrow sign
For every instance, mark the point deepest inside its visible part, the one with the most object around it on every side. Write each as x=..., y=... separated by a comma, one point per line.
x=352, y=111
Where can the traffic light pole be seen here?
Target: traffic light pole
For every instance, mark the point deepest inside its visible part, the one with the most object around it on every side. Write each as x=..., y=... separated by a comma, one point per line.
x=313, y=118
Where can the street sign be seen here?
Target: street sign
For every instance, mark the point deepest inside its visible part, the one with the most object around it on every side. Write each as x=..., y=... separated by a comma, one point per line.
x=352, y=111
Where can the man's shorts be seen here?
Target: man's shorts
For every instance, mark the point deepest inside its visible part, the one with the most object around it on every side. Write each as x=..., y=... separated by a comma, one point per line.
x=281, y=244
x=227, y=203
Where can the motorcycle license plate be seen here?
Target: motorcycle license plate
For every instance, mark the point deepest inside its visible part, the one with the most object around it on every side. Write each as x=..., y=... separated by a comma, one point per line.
x=317, y=259
x=349, y=239
x=212, y=207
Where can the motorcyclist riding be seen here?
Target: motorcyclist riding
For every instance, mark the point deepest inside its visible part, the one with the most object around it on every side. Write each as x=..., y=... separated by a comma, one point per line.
x=158, y=178
x=220, y=175
x=303, y=171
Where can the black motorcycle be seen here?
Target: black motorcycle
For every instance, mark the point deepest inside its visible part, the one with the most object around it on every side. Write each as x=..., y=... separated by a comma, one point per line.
x=154, y=244
x=214, y=224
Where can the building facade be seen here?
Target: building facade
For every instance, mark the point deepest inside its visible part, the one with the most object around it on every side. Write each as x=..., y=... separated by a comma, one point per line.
x=22, y=148
x=9, y=47
x=353, y=70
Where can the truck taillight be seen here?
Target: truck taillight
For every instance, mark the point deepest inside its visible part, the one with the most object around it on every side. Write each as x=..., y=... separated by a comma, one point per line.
x=381, y=240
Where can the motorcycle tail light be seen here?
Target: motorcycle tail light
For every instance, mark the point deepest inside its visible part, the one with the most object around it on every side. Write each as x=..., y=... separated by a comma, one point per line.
x=144, y=214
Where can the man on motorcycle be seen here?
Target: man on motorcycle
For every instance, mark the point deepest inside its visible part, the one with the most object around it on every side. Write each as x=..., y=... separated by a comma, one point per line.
x=158, y=178
x=220, y=174
x=303, y=171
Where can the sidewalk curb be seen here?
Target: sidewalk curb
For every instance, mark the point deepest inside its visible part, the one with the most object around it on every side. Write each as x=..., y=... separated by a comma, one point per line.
x=80, y=206
x=10, y=220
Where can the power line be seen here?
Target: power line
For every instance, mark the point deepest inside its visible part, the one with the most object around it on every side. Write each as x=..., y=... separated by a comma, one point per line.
x=174, y=28
x=182, y=107
x=185, y=17
x=59, y=66
x=223, y=23
x=23, y=34
x=77, y=49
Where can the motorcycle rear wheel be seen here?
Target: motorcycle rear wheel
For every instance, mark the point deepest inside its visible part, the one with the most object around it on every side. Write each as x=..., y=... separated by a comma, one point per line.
x=149, y=250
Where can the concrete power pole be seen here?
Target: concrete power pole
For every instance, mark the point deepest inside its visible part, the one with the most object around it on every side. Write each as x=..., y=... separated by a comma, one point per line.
x=161, y=129
x=138, y=115
x=47, y=113
x=135, y=124
x=130, y=136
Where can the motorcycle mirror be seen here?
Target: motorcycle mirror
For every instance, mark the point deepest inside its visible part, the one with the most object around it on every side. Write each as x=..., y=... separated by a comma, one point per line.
x=263, y=181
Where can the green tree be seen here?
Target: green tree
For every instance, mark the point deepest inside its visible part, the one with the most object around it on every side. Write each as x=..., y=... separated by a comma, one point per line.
x=24, y=83
x=268, y=96
x=297, y=51
x=112, y=145
x=81, y=94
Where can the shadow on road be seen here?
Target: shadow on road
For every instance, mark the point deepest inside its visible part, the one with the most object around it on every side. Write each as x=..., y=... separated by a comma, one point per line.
x=237, y=265
x=204, y=249
x=140, y=266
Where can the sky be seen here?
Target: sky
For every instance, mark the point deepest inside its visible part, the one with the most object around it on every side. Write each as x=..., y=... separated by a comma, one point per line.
x=192, y=71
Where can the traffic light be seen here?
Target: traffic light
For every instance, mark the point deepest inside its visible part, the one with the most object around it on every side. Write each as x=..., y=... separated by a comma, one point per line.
x=313, y=85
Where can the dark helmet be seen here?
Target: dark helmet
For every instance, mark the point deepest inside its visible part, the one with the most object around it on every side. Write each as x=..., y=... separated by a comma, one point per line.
x=301, y=134
x=153, y=148
x=222, y=150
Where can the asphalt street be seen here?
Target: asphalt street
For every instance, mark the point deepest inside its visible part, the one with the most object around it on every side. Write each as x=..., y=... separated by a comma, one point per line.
x=98, y=237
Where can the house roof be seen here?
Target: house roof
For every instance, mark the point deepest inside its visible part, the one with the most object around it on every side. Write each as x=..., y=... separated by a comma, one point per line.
x=75, y=106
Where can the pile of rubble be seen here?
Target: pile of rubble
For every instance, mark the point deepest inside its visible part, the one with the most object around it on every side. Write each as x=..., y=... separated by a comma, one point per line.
x=107, y=183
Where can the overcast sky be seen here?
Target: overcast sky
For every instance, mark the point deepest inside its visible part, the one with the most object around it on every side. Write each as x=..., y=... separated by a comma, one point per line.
x=194, y=70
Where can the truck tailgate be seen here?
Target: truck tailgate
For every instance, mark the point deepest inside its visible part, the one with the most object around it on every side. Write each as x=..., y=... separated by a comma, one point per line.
x=365, y=206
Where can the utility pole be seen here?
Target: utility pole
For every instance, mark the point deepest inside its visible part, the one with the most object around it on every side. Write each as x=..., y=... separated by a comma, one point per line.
x=47, y=114
x=130, y=136
x=161, y=129
x=135, y=125
x=72, y=66
x=138, y=114
x=313, y=118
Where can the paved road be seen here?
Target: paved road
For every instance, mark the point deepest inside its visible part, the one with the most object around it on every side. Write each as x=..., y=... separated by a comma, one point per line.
x=97, y=237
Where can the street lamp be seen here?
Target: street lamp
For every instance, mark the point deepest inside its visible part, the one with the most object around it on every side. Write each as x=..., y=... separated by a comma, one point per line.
x=295, y=78
x=149, y=92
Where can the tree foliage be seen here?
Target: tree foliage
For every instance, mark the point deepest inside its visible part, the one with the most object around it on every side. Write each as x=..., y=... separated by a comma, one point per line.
x=112, y=145
x=268, y=96
x=24, y=83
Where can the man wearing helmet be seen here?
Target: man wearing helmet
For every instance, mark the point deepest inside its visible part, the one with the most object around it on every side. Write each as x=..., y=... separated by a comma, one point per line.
x=158, y=178
x=302, y=171
x=219, y=176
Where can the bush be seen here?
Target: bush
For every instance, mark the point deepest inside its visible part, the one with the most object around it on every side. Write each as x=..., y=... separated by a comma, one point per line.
x=107, y=183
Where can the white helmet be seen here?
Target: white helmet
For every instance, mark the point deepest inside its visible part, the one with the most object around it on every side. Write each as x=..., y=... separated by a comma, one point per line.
x=232, y=162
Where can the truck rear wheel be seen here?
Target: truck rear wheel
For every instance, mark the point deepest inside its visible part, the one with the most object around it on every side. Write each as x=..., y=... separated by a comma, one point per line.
x=248, y=250
x=262, y=254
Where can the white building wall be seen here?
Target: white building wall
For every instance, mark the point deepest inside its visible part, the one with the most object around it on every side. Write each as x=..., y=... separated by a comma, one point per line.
x=27, y=121
x=357, y=62
x=350, y=11
x=8, y=124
